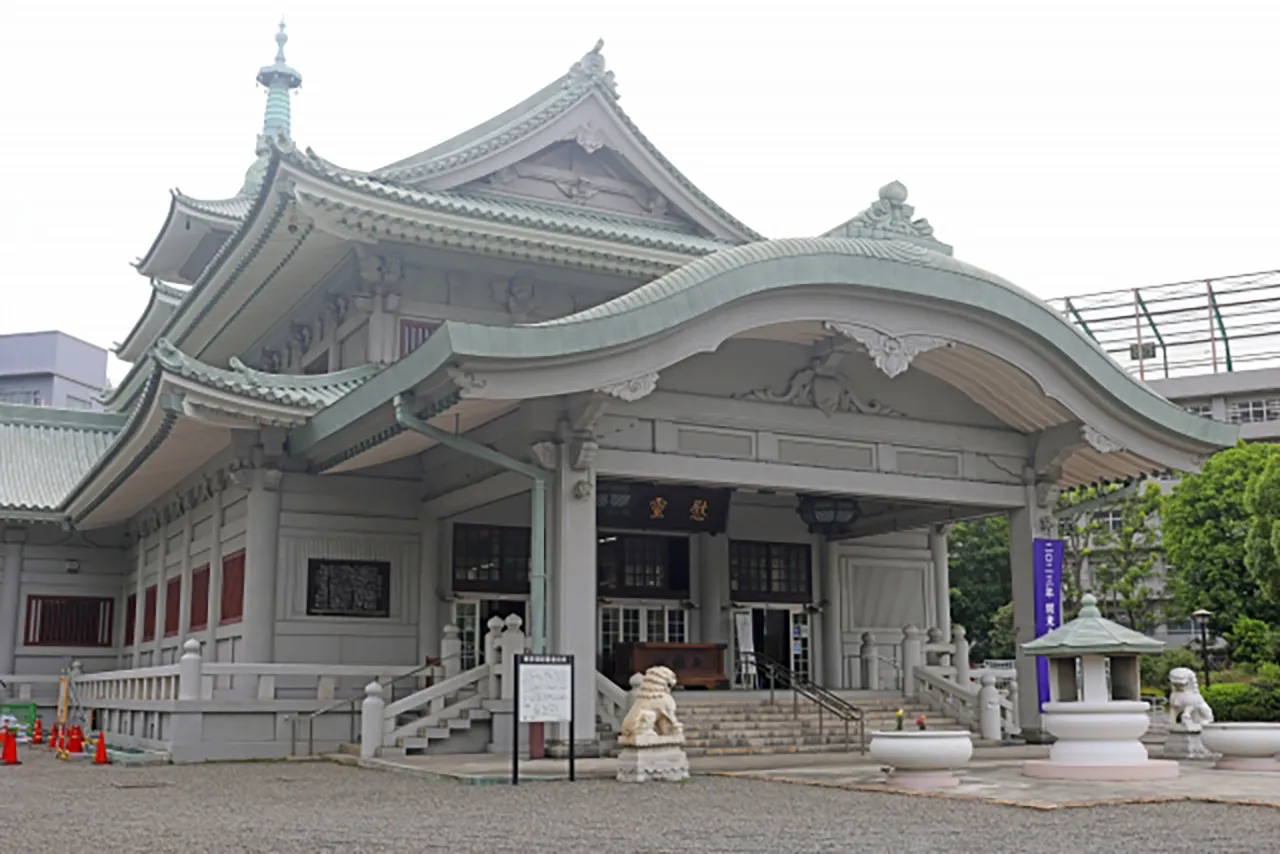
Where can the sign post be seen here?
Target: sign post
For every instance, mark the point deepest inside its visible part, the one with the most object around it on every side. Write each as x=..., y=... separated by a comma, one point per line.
x=542, y=687
x=1047, y=573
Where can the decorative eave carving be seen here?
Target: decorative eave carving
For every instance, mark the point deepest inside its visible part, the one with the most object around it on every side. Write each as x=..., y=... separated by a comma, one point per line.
x=1047, y=495
x=379, y=269
x=544, y=455
x=633, y=389
x=820, y=384
x=590, y=70
x=468, y=383
x=582, y=452
x=891, y=352
x=1099, y=441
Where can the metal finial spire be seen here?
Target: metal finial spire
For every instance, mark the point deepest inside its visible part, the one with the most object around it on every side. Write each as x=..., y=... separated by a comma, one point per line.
x=280, y=80
x=282, y=38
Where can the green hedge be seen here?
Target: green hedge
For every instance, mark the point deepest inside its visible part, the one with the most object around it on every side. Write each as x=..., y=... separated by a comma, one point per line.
x=1240, y=702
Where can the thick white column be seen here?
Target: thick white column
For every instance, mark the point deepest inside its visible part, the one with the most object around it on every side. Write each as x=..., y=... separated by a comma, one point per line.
x=429, y=570
x=261, y=545
x=941, y=578
x=215, y=579
x=832, y=619
x=1035, y=519
x=184, y=589
x=10, y=598
x=572, y=567
x=162, y=596
x=714, y=608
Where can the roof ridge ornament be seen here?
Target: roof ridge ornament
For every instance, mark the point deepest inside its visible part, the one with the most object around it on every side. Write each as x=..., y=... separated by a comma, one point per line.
x=890, y=218
x=590, y=71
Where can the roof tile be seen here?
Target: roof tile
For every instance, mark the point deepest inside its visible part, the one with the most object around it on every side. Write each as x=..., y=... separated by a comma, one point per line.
x=45, y=452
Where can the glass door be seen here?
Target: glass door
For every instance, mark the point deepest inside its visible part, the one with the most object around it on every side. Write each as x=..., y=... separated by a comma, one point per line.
x=625, y=624
x=472, y=616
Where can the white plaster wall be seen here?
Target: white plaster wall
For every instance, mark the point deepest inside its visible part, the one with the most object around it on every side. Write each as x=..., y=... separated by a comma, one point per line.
x=349, y=517
x=44, y=574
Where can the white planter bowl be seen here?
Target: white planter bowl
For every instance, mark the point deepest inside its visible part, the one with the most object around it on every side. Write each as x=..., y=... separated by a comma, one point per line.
x=1244, y=746
x=922, y=759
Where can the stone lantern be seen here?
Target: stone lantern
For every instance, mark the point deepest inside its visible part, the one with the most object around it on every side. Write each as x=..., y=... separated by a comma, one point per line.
x=1095, y=710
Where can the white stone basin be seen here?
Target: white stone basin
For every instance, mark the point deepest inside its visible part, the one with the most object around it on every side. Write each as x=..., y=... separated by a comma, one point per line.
x=1109, y=721
x=922, y=750
x=1247, y=746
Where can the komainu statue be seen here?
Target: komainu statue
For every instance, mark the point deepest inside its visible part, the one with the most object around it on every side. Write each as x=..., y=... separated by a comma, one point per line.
x=1186, y=706
x=652, y=720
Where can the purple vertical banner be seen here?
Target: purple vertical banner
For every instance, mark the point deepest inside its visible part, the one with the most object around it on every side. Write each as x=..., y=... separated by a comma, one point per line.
x=1048, y=581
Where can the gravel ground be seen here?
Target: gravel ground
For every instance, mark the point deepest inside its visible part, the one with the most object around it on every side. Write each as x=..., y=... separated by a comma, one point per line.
x=50, y=806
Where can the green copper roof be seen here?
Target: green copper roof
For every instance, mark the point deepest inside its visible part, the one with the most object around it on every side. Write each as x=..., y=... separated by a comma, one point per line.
x=234, y=208
x=304, y=391
x=587, y=77
x=547, y=216
x=1091, y=634
x=45, y=452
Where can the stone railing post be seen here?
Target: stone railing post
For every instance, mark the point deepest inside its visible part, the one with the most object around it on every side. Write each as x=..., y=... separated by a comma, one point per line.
x=637, y=682
x=189, y=667
x=372, y=712
x=492, y=654
x=869, y=661
x=1014, y=718
x=912, y=657
x=933, y=638
x=961, y=656
x=511, y=644
x=450, y=652
x=989, y=715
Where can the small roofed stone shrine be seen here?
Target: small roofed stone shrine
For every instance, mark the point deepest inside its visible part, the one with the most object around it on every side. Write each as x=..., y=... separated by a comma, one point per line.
x=1095, y=710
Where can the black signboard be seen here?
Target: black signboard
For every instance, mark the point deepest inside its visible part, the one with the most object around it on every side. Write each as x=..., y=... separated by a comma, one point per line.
x=348, y=588
x=662, y=507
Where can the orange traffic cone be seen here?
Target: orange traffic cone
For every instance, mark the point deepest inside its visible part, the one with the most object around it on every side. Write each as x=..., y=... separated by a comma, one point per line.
x=37, y=734
x=53, y=737
x=100, y=756
x=75, y=744
x=10, y=749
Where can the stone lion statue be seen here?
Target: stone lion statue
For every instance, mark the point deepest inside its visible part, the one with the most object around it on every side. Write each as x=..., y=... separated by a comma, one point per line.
x=1186, y=706
x=652, y=719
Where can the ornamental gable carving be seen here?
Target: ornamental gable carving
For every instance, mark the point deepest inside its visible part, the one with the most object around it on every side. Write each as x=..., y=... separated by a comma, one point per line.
x=583, y=171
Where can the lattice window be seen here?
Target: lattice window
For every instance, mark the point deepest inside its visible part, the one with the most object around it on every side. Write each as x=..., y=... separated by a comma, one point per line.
x=491, y=558
x=414, y=333
x=172, y=606
x=69, y=621
x=149, y=614
x=232, y=588
x=1253, y=411
x=781, y=571
x=1204, y=410
x=29, y=397
x=200, y=598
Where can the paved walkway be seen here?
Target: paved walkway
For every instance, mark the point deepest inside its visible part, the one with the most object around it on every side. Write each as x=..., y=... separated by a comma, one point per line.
x=53, y=807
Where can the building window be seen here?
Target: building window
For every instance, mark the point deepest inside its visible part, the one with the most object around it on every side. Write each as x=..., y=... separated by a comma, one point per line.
x=69, y=621
x=643, y=566
x=414, y=333
x=232, y=588
x=172, y=606
x=1112, y=520
x=348, y=588
x=149, y=614
x=1253, y=411
x=130, y=614
x=74, y=402
x=200, y=599
x=1204, y=410
x=491, y=559
x=25, y=397
x=779, y=572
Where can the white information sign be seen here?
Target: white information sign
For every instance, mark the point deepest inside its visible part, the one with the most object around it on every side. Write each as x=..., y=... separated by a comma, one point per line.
x=546, y=692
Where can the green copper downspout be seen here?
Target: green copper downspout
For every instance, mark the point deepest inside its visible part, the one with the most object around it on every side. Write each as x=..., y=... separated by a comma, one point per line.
x=538, y=533
x=1222, y=327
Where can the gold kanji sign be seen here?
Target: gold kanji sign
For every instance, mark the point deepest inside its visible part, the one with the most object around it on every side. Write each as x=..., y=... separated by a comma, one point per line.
x=658, y=508
x=698, y=511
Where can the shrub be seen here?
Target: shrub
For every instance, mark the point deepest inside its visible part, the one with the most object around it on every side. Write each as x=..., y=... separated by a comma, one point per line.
x=1252, y=641
x=1234, y=702
x=1155, y=668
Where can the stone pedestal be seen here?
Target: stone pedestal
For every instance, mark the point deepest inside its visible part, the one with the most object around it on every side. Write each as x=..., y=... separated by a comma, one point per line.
x=663, y=763
x=1183, y=743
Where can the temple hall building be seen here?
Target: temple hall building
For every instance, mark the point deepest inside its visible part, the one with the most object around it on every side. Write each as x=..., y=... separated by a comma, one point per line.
x=533, y=373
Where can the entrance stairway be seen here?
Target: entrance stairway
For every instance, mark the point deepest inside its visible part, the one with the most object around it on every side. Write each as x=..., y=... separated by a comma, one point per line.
x=747, y=727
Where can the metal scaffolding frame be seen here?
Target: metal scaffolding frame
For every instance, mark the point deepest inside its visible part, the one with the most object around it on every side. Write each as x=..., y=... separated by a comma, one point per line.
x=1217, y=325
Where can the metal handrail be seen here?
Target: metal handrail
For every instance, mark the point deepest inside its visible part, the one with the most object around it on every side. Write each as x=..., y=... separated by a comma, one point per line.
x=430, y=664
x=823, y=698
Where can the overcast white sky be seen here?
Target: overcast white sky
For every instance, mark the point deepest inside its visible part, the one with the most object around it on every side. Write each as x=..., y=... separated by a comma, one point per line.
x=1070, y=147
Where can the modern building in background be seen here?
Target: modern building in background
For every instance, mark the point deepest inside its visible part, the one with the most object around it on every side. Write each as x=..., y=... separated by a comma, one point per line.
x=51, y=369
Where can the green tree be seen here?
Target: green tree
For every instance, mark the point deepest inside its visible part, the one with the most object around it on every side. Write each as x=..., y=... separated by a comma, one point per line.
x=1000, y=640
x=1262, y=545
x=1204, y=525
x=1125, y=560
x=1252, y=642
x=980, y=578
